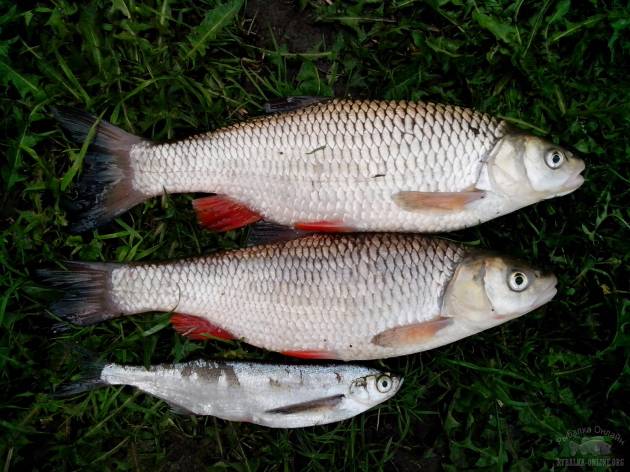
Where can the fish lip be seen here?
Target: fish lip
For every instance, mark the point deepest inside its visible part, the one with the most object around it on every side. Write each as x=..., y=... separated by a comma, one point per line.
x=400, y=379
x=547, y=293
x=574, y=182
x=396, y=390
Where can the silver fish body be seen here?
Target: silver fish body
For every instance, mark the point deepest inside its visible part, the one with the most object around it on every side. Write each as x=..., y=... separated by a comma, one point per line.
x=365, y=296
x=357, y=164
x=336, y=161
x=274, y=395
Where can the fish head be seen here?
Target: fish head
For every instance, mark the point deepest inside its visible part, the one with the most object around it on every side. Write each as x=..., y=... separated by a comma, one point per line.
x=526, y=169
x=594, y=446
x=487, y=290
x=374, y=388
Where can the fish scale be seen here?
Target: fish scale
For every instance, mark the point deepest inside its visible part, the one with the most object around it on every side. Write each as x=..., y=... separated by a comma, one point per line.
x=335, y=160
x=321, y=293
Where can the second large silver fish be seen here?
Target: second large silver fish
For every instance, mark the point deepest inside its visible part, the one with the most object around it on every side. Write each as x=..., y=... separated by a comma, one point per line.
x=366, y=296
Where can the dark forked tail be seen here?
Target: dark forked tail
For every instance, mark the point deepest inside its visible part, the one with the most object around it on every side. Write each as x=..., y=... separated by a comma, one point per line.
x=90, y=373
x=86, y=290
x=105, y=189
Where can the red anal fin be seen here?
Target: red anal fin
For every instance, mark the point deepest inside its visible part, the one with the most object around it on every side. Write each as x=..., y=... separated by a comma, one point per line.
x=221, y=213
x=310, y=354
x=323, y=226
x=199, y=329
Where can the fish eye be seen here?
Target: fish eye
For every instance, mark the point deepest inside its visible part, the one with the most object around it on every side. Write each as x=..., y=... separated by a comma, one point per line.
x=518, y=281
x=554, y=159
x=384, y=384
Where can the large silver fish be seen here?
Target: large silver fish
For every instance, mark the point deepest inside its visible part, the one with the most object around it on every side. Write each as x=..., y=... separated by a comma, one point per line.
x=366, y=296
x=274, y=395
x=335, y=165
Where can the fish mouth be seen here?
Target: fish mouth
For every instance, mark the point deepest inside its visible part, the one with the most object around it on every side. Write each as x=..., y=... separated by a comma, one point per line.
x=548, y=291
x=574, y=182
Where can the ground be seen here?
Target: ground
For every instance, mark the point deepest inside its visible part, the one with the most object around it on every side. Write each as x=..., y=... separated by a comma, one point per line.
x=514, y=397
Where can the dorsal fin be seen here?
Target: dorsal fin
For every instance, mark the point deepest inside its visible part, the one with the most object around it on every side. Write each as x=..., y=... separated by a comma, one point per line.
x=266, y=232
x=292, y=103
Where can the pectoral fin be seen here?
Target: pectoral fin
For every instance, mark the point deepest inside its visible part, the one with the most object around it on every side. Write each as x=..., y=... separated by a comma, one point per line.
x=326, y=403
x=411, y=334
x=179, y=410
x=417, y=201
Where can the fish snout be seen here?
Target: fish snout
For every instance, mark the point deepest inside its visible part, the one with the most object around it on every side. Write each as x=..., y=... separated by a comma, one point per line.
x=548, y=288
x=575, y=180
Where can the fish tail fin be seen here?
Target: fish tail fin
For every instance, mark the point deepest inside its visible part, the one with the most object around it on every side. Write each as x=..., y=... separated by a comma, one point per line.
x=86, y=290
x=86, y=383
x=105, y=188
x=89, y=376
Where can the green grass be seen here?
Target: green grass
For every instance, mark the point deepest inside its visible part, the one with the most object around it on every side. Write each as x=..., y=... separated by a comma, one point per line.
x=167, y=68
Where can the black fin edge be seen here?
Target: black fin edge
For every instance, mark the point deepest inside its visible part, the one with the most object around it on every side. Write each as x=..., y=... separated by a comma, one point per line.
x=105, y=188
x=86, y=287
x=292, y=103
x=267, y=232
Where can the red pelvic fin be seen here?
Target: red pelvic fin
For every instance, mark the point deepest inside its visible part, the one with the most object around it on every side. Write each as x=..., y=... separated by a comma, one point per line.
x=199, y=329
x=310, y=354
x=323, y=226
x=221, y=213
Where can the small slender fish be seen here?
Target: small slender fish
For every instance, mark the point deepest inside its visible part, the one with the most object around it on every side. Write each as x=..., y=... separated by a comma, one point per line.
x=329, y=166
x=273, y=395
x=349, y=297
